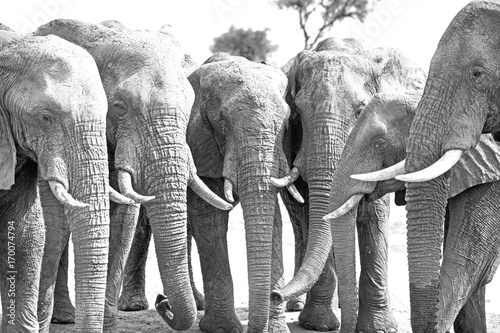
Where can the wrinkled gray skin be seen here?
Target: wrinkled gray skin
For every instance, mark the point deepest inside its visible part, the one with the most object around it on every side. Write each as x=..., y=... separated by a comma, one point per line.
x=327, y=88
x=53, y=116
x=236, y=133
x=378, y=140
x=460, y=101
x=149, y=102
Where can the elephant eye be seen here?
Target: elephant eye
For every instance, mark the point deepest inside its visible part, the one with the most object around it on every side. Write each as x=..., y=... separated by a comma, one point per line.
x=46, y=118
x=477, y=74
x=120, y=107
x=380, y=145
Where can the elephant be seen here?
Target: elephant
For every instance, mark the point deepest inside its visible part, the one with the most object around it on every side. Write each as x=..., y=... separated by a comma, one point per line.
x=460, y=102
x=149, y=103
x=236, y=133
x=472, y=245
x=53, y=176
x=327, y=89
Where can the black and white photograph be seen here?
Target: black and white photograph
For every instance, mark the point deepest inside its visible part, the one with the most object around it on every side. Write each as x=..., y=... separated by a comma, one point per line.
x=250, y=166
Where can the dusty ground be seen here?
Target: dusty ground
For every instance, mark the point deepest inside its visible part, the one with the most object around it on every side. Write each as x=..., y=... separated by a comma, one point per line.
x=150, y=321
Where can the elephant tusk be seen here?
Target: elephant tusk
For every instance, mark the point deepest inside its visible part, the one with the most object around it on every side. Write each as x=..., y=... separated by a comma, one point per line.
x=295, y=193
x=345, y=208
x=200, y=188
x=384, y=174
x=228, y=190
x=445, y=163
x=119, y=198
x=125, y=184
x=287, y=180
x=64, y=197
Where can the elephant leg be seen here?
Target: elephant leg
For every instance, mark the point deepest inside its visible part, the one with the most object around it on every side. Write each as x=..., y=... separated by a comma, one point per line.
x=123, y=222
x=470, y=256
x=22, y=240
x=375, y=313
x=56, y=243
x=198, y=296
x=472, y=317
x=64, y=310
x=317, y=313
x=209, y=227
x=133, y=296
x=277, y=320
x=299, y=218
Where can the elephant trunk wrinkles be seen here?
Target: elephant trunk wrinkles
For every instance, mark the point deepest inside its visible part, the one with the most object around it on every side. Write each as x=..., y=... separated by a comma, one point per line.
x=344, y=248
x=90, y=226
x=426, y=207
x=257, y=163
x=321, y=166
x=166, y=178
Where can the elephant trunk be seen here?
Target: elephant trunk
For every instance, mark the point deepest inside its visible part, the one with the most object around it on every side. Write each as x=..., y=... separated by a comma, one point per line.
x=167, y=180
x=258, y=201
x=426, y=208
x=321, y=165
x=90, y=225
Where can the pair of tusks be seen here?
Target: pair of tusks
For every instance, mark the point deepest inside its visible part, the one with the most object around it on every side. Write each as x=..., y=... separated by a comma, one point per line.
x=128, y=196
x=445, y=163
x=287, y=182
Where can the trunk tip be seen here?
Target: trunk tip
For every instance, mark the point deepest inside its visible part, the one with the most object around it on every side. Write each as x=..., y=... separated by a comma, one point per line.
x=277, y=297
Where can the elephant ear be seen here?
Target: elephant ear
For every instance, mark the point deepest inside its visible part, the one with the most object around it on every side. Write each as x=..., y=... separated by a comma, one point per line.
x=7, y=154
x=477, y=166
x=207, y=156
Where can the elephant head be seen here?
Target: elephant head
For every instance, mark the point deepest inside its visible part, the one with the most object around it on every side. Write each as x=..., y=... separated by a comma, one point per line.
x=149, y=103
x=53, y=112
x=327, y=89
x=460, y=101
x=236, y=133
x=372, y=156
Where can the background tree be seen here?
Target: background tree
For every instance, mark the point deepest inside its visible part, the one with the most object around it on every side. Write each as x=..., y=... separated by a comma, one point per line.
x=316, y=17
x=251, y=44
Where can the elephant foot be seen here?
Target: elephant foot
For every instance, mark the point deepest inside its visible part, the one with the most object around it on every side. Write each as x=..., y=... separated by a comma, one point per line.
x=227, y=323
x=63, y=313
x=379, y=321
x=278, y=325
x=318, y=317
x=199, y=299
x=296, y=303
x=132, y=301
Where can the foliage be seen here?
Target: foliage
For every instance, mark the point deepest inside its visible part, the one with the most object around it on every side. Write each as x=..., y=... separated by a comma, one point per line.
x=251, y=44
x=327, y=12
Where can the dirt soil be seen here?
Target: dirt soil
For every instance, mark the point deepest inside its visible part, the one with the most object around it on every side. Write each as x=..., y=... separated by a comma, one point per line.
x=150, y=321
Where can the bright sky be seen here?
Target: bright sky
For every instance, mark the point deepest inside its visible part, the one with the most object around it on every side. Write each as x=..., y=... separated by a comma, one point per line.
x=412, y=26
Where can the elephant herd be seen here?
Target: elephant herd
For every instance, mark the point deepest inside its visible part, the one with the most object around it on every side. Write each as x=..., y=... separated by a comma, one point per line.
x=113, y=136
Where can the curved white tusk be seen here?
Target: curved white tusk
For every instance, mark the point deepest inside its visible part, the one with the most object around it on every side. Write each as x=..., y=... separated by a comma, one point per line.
x=295, y=193
x=345, y=208
x=445, y=163
x=287, y=180
x=228, y=190
x=119, y=198
x=384, y=174
x=64, y=197
x=200, y=188
x=125, y=184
